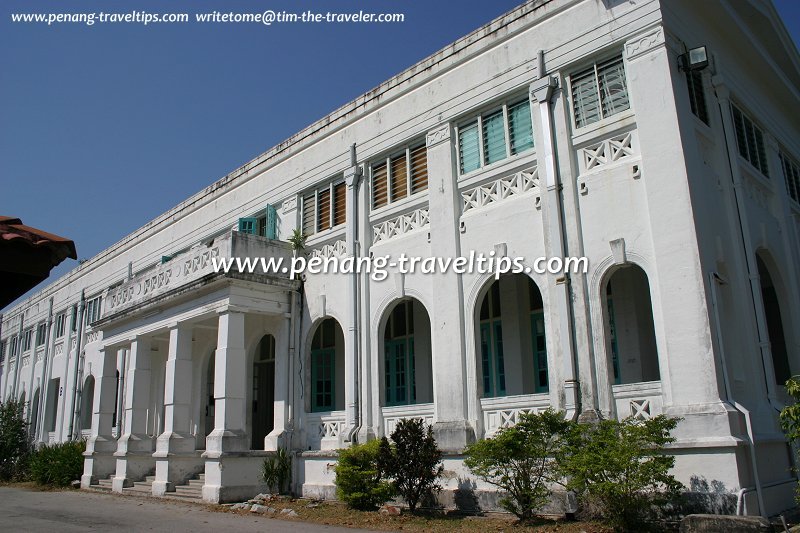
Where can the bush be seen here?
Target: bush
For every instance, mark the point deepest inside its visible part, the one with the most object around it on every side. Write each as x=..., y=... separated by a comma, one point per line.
x=57, y=464
x=412, y=461
x=358, y=480
x=522, y=461
x=14, y=445
x=618, y=469
x=790, y=416
x=277, y=471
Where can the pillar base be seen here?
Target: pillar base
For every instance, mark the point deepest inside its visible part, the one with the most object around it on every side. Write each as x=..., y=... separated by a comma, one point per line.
x=454, y=435
x=278, y=439
x=365, y=434
x=233, y=478
x=226, y=440
x=174, y=442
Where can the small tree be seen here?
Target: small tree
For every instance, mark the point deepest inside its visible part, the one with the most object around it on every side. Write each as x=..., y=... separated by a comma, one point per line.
x=14, y=444
x=412, y=461
x=790, y=416
x=522, y=460
x=297, y=239
x=277, y=471
x=57, y=464
x=358, y=480
x=619, y=469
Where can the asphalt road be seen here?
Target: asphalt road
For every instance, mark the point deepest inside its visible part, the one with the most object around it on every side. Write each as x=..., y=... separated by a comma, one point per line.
x=67, y=511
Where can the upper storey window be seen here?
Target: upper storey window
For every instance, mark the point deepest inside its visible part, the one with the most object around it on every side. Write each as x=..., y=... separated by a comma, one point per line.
x=494, y=136
x=697, y=94
x=750, y=140
x=791, y=171
x=265, y=225
x=599, y=91
x=399, y=175
x=325, y=208
x=93, y=308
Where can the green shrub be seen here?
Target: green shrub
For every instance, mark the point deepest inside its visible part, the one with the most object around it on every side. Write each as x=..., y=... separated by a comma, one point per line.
x=522, y=460
x=57, y=464
x=277, y=471
x=619, y=471
x=790, y=417
x=14, y=444
x=358, y=481
x=412, y=461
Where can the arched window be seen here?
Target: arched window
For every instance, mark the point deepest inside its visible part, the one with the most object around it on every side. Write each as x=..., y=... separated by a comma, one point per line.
x=407, y=361
x=327, y=367
x=772, y=313
x=630, y=326
x=511, y=338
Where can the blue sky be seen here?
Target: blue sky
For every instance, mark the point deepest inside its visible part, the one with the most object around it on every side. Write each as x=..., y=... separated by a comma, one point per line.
x=104, y=127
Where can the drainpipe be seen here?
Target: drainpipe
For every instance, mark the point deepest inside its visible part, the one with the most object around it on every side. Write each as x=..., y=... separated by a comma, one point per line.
x=353, y=177
x=76, y=394
x=543, y=90
x=46, y=370
x=17, y=357
x=714, y=281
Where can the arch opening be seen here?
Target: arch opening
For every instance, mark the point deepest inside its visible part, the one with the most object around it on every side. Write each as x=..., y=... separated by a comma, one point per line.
x=407, y=357
x=327, y=367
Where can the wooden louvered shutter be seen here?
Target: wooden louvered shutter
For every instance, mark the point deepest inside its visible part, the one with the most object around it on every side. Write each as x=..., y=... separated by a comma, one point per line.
x=309, y=214
x=399, y=177
x=419, y=168
x=339, y=203
x=324, y=209
x=380, y=190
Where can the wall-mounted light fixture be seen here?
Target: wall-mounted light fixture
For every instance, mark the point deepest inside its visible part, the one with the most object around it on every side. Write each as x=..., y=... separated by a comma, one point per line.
x=694, y=59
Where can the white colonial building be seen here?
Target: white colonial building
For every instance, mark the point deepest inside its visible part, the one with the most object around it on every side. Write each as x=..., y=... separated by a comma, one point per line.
x=562, y=128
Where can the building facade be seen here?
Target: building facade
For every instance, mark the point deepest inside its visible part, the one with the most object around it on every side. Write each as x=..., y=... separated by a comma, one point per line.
x=563, y=128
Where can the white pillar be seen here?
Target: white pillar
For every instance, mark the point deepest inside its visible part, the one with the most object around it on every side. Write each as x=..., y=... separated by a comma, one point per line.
x=279, y=436
x=453, y=430
x=135, y=446
x=176, y=439
x=99, y=461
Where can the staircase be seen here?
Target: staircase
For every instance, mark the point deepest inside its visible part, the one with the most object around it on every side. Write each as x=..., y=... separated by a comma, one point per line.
x=141, y=488
x=192, y=490
x=103, y=485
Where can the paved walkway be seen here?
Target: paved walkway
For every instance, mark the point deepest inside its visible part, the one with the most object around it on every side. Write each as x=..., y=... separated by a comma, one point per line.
x=66, y=511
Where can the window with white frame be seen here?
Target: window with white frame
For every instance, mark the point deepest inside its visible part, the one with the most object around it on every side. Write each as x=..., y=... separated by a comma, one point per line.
x=399, y=175
x=41, y=334
x=27, y=338
x=599, y=91
x=13, y=346
x=493, y=136
x=791, y=172
x=750, y=140
x=93, y=308
x=61, y=321
x=325, y=207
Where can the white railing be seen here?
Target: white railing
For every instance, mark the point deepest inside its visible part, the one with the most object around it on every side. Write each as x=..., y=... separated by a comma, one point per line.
x=639, y=400
x=608, y=151
x=500, y=189
x=58, y=349
x=51, y=437
x=504, y=411
x=324, y=429
x=392, y=415
x=336, y=249
x=400, y=225
x=86, y=433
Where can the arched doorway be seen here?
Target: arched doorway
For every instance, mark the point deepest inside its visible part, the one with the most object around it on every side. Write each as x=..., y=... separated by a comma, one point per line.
x=34, y=414
x=208, y=397
x=263, y=398
x=407, y=362
x=87, y=402
x=631, y=338
x=774, y=319
x=327, y=367
x=511, y=338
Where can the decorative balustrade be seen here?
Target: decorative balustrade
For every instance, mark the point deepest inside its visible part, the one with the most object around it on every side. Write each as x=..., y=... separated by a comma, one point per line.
x=58, y=349
x=639, y=400
x=26, y=360
x=336, y=249
x=500, y=189
x=51, y=437
x=324, y=429
x=39, y=353
x=504, y=411
x=93, y=336
x=393, y=415
x=200, y=261
x=401, y=225
x=608, y=151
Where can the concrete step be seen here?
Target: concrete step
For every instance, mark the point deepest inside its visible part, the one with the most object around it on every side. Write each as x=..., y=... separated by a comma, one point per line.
x=196, y=483
x=104, y=483
x=149, y=479
x=189, y=491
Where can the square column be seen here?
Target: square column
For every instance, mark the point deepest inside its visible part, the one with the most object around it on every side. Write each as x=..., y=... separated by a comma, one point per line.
x=175, y=456
x=135, y=446
x=230, y=415
x=280, y=435
x=451, y=426
x=100, y=447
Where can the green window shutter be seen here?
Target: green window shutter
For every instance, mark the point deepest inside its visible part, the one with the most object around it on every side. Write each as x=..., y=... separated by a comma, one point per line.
x=494, y=137
x=486, y=357
x=468, y=147
x=322, y=379
x=271, y=231
x=499, y=358
x=520, y=129
x=248, y=225
x=540, y=370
